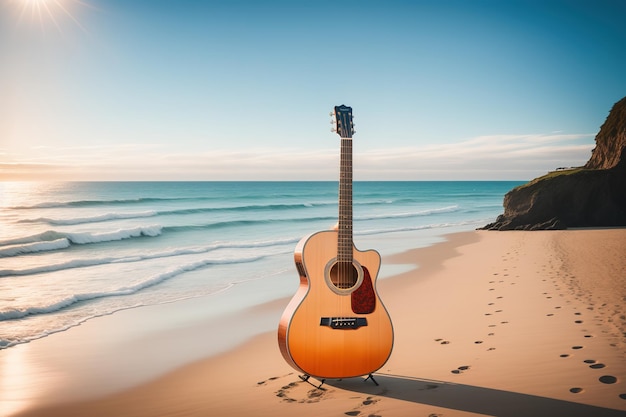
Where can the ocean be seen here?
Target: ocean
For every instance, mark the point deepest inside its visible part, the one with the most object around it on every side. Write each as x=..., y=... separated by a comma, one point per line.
x=73, y=251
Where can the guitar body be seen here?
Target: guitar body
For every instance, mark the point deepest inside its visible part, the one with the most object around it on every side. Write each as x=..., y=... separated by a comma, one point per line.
x=330, y=330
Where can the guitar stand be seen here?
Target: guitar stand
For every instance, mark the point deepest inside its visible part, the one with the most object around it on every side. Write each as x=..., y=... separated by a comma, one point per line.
x=371, y=376
x=306, y=377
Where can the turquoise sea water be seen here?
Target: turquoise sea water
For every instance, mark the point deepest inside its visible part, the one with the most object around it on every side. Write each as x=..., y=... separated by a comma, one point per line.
x=74, y=251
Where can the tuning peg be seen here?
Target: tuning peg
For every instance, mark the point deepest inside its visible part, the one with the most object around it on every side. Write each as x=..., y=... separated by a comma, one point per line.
x=332, y=129
x=331, y=114
x=332, y=122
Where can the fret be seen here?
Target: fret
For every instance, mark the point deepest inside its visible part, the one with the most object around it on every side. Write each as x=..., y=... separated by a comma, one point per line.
x=344, y=127
x=345, y=235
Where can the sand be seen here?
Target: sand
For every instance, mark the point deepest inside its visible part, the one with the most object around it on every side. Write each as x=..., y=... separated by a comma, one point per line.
x=489, y=323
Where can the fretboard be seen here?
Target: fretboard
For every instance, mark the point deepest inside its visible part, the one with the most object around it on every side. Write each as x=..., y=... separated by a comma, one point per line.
x=344, y=243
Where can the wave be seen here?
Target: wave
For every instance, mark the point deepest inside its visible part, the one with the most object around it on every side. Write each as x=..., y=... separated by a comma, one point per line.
x=92, y=203
x=14, y=250
x=92, y=219
x=17, y=313
x=82, y=238
x=153, y=213
x=52, y=240
x=421, y=227
x=82, y=263
x=251, y=207
x=428, y=212
x=134, y=201
x=7, y=343
x=231, y=223
x=200, y=210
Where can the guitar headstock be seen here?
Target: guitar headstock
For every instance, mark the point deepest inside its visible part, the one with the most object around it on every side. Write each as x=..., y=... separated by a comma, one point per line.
x=342, y=121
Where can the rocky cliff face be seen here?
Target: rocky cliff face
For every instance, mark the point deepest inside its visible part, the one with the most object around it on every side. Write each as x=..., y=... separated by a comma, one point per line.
x=590, y=196
x=611, y=140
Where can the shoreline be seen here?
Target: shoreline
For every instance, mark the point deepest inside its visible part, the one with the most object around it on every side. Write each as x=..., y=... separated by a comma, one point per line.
x=484, y=320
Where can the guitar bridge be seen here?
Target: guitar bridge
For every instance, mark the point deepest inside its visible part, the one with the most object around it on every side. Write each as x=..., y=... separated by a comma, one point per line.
x=345, y=323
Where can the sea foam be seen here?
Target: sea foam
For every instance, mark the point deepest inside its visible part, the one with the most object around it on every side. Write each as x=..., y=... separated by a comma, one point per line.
x=82, y=238
x=16, y=313
x=82, y=263
x=14, y=250
x=53, y=240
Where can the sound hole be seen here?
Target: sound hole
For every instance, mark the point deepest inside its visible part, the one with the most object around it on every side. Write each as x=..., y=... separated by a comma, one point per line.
x=344, y=275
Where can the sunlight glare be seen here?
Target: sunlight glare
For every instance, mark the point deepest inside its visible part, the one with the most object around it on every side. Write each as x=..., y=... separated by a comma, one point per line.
x=44, y=11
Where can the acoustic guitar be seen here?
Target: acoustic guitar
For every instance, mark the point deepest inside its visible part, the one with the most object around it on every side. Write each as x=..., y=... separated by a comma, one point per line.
x=336, y=326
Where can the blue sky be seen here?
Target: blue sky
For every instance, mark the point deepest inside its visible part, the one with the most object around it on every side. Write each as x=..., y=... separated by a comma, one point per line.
x=241, y=90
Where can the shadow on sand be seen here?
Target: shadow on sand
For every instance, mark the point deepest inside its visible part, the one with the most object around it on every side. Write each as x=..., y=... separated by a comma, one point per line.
x=472, y=399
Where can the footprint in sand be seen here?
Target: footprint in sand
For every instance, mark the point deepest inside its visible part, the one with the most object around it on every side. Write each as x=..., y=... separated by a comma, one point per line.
x=575, y=390
x=608, y=379
x=312, y=396
x=269, y=379
x=366, y=402
x=577, y=347
x=460, y=369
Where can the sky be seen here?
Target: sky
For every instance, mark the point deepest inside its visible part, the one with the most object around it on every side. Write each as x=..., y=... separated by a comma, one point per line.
x=241, y=90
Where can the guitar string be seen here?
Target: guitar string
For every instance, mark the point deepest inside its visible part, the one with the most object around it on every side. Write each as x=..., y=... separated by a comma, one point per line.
x=343, y=241
x=341, y=254
x=345, y=279
x=344, y=260
x=345, y=247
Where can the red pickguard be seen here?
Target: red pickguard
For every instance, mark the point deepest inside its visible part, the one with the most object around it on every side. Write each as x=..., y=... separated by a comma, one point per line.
x=364, y=298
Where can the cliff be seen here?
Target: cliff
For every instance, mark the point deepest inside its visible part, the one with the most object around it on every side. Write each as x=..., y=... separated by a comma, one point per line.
x=590, y=196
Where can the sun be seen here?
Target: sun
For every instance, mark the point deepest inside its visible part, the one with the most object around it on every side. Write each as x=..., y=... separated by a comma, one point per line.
x=48, y=12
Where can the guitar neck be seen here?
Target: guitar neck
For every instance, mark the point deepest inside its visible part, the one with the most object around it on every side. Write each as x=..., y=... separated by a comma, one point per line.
x=344, y=247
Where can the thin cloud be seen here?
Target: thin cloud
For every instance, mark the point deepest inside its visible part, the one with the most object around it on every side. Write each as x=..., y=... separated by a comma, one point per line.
x=484, y=157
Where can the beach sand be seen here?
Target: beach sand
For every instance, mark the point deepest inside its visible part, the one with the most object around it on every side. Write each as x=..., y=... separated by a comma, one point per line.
x=489, y=323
